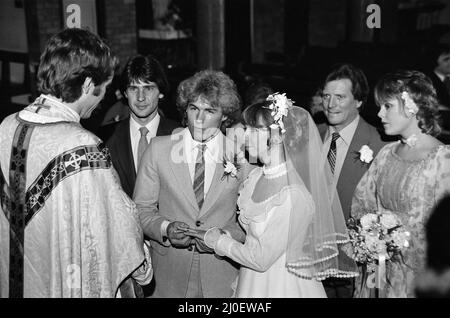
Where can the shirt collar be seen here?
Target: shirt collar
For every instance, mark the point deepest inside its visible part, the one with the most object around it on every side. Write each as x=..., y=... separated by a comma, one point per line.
x=48, y=109
x=135, y=126
x=441, y=76
x=213, y=146
x=347, y=132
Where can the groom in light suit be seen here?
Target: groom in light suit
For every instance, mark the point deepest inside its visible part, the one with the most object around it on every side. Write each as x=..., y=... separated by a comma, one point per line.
x=344, y=93
x=181, y=184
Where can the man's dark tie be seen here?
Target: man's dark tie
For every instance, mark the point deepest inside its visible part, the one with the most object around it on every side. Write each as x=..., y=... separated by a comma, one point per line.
x=332, y=152
x=199, y=176
x=142, y=143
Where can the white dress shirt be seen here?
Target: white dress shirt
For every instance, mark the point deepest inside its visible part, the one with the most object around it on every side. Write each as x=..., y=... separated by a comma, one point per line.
x=342, y=144
x=135, y=134
x=211, y=156
x=440, y=76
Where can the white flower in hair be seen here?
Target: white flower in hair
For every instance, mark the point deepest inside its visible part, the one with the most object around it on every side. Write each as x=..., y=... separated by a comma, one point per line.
x=280, y=106
x=410, y=105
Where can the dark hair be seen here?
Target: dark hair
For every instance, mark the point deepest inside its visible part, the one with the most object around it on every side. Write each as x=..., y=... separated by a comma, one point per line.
x=360, y=87
x=145, y=69
x=257, y=92
x=215, y=87
x=69, y=58
x=421, y=90
x=435, y=52
x=258, y=110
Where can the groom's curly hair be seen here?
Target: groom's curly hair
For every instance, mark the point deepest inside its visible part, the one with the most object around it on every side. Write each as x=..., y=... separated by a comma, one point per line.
x=214, y=87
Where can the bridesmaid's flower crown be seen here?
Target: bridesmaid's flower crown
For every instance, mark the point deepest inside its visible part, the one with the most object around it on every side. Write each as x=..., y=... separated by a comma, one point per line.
x=280, y=106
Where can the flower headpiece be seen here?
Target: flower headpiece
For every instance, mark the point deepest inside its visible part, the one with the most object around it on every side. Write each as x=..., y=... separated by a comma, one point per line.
x=410, y=105
x=280, y=106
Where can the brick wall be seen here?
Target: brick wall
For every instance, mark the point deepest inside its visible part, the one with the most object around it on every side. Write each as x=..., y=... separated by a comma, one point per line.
x=120, y=28
x=269, y=28
x=327, y=25
x=49, y=15
x=327, y=22
x=119, y=19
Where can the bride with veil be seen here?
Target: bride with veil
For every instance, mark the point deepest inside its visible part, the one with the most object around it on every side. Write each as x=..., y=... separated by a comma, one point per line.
x=294, y=224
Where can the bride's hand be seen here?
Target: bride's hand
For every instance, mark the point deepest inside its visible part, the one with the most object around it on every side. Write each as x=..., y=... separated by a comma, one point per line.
x=199, y=234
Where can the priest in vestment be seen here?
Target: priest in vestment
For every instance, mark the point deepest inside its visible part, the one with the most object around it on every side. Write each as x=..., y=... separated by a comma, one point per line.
x=67, y=229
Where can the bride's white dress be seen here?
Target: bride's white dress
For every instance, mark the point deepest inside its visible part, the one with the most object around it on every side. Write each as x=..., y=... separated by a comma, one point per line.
x=263, y=255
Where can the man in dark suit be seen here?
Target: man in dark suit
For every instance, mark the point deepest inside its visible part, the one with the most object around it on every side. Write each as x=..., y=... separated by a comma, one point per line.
x=439, y=73
x=144, y=83
x=344, y=92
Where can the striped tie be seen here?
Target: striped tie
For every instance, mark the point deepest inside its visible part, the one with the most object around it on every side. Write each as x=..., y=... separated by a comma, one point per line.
x=332, y=152
x=199, y=176
x=142, y=143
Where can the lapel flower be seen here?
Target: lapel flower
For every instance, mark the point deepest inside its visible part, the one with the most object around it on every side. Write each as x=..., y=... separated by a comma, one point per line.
x=365, y=154
x=230, y=168
x=410, y=106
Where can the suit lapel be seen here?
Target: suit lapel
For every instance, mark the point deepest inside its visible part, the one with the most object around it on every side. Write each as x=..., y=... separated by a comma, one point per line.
x=125, y=155
x=181, y=174
x=162, y=129
x=217, y=183
x=359, y=139
x=215, y=189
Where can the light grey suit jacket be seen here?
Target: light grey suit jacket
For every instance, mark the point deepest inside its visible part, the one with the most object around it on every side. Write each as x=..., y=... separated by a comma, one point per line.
x=353, y=169
x=164, y=191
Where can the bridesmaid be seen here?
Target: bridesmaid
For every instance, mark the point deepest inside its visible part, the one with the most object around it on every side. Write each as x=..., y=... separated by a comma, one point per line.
x=407, y=177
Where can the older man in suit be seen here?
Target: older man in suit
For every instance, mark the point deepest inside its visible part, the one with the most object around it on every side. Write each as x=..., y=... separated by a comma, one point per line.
x=143, y=83
x=346, y=132
x=181, y=184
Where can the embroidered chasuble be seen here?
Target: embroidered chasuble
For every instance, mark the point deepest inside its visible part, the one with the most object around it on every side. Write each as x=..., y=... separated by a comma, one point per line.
x=66, y=227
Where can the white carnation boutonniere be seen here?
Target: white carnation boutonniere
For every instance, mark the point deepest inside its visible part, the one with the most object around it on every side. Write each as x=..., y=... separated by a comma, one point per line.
x=365, y=154
x=410, y=105
x=230, y=168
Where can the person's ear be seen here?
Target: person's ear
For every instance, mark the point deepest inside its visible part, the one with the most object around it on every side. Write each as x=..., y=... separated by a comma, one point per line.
x=88, y=86
x=358, y=104
x=161, y=96
x=224, y=117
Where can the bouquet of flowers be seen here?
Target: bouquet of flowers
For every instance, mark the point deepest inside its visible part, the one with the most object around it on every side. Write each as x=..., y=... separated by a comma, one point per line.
x=377, y=238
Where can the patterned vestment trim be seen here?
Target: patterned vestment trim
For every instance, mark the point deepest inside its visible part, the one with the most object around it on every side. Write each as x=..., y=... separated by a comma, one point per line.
x=65, y=165
x=20, y=205
x=5, y=201
x=17, y=208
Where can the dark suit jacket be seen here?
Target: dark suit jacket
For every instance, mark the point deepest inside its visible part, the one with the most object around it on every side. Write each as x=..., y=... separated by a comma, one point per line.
x=441, y=91
x=353, y=169
x=117, y=137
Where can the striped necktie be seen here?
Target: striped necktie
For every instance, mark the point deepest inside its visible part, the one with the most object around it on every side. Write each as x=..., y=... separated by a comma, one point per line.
x=199, y=176
x=142, y=143
x=332, y=152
